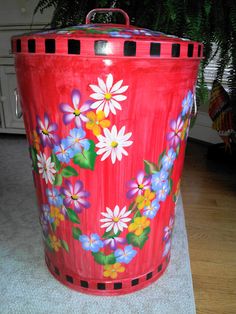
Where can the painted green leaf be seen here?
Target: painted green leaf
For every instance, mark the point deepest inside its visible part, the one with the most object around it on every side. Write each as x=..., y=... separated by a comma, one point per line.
x=58, y=180
x=64, y=245
x=137, y=214
x=48, y=243
x=73, y=216
x=131, y=206
x=174, y=198
x=160, y=158
x=138, y=241
x=111, y=234
x=150, y=167
x=33, y=154
x=54, y=227
x=177, y=150
x=69, y=172
x=103, y=259
x=171, y=184
x=86, y=159
x=56, y=161
x=76, y=232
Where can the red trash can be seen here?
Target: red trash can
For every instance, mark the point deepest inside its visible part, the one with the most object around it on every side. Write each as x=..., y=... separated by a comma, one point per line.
x=107, y=110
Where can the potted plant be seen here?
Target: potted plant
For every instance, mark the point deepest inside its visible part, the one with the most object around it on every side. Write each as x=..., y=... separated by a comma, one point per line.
x=210, y=22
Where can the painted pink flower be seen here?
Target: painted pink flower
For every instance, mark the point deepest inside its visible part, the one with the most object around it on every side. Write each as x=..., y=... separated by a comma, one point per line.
x=138, y=185
x=46, y=130
x=174, y=136
x=75, y=196
x=168, y=229
x=113, y=242
x=75, y=112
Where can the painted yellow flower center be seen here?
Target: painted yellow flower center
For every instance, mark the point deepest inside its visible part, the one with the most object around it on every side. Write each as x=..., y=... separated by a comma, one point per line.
x=108, y=96
x=116, y=219
x=114, y=144
x=140, y=186
x=45, y=132
x=74, y=197
x=77, y=112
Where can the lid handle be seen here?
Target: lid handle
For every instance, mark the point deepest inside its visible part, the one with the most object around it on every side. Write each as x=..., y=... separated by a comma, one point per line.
x=106, y=10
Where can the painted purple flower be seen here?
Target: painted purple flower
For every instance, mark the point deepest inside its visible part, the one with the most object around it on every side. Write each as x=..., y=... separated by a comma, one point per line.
x=46, y=211
x=45, y=217
x=46, y=130
x=44, y=223
x=168, y=229
x=174, y=136
x=75, y=196
x=138, y=185
x=76, y=111
x=113, y=242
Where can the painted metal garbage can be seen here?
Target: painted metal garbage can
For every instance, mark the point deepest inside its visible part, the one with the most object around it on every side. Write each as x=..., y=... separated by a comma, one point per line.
x=106, y=109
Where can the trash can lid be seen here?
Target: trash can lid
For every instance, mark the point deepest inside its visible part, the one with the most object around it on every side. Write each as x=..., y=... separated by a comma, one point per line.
x=113, y=40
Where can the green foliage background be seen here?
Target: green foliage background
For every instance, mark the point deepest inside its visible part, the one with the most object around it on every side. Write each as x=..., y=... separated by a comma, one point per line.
x=207, y=21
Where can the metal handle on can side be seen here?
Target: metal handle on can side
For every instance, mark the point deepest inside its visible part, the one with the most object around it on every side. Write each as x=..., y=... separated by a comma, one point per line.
x=17, y=104
x=107, y=10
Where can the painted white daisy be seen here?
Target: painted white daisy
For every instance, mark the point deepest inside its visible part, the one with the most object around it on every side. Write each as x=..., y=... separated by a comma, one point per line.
x=107, y=95
x=46, y=167
x=116, y=220
x=113, y=143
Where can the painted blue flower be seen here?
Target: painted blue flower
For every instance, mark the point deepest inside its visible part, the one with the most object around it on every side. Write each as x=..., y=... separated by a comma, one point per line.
x=187, y=103
x=126, y=255
x=119, y=34
x=44, y=224
x=45, y=217
x=46, y=213
x=77, y=141
x=91, y=243
x=167, y=248
x=168, y=159
x=158, y=179
x=163, y=191
x=54, y=197
x=63, y=152
x=151, y=211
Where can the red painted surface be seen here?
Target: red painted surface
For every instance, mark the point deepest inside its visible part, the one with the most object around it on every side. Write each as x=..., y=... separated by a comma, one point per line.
x=156, y=90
